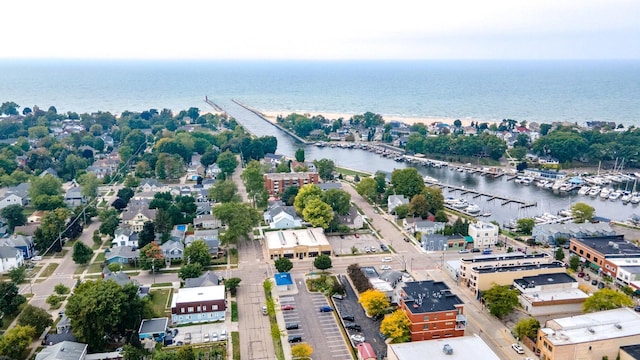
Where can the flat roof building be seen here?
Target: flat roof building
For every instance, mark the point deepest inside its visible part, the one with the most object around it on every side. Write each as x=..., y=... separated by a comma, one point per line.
x=589, y=336
x=459, y=348
x=550, y=294
x=297, y=244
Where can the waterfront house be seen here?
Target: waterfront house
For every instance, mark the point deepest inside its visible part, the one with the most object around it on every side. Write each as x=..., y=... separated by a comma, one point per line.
x=394, y=201
x=198, y=304
x=433, y=310
x=10, y=258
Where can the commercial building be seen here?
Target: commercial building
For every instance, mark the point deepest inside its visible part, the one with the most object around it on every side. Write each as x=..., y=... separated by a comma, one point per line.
x=297, y=244
x=550, y=294
x=593, y=252
x=198, y=304
x=484, y=234
x=548, y=233
x=459, y=348
x=589, y=336
x=277, y=183
x=433, y=310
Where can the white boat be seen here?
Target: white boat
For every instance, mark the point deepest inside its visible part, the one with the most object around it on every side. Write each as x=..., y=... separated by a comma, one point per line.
x=566, y=187
x=635, y=198
x=615, y=195
x=429, y=179
x=625, y=198
x=584, y=190
x=486, y=214
x=604, y=193
x=556, y=185
x=460, y=204
x=542, y=182
x=595, y=190
x=548, y=185
x=526, y=181
x=473, y=209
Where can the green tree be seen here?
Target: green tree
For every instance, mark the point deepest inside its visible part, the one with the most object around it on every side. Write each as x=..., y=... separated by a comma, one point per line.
x=318, y=213
x=46, y=193
x=191, y=270
x=374, y=302
x=396, y=326
x=224, y=192
x=289, y=195
x=367, y=188
x=37, y=318
x=90, y=184
x=306, y=194
x=525, y=226
x=582, y=212
x=402, y=211
x=559, y=254
x=50, y=231
x=10, y=299
x=322, y=262
x=407, y=182
x=301, y=351
x=100, y=308
x=434, y=198
x=339, y=200
x=574, y=262
x=231, y=285
x=441, y=216
x=300, y=155
x=16, y=340
x=17, y=274
x=606, y=299
x=283, y=264
x=240, y=220
x=82, y=254
x=325, y=169
x=14, y=216
x=209, y=158
x=500, y=300
x=126, y=194
x=527, y=328
x=147, y=234
x=419, y=206
x=197, y=252
x=61, y=289
x=227, y=162
x=253, y=178
x=152, y=257
x=110, y=221
x=9, y=108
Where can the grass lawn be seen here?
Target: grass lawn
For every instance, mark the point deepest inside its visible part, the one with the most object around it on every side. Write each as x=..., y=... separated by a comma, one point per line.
x=234, y=311
x=49, y=270
x=100, y=257
x=80, y=269
x=161, y=284
x=351, y=172
x=159, y=299
x=96, y=267
x=96, y=246
x=235, y=344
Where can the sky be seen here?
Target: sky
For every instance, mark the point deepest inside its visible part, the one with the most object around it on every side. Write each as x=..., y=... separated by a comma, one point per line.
x=321, y=30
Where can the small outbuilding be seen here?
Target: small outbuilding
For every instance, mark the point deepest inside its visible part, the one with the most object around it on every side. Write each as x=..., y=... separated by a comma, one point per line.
x=283, y=281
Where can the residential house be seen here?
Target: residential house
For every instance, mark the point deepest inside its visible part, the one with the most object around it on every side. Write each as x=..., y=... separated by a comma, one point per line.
x=353, y=219
x=135, y=217
x=596, y=335
x=108, y=140
x=394, y=201
x=27, y=230
x=52, y=339
x=207, y=279
x=210, y=237
x=49, y=171
x=73, y=197
x=10, y=258
x=35, y=217
x=198, y=304
x=20, y=191
x=433, y=310
x=206, y=221
x=121, y=254
x=428, y=227
x=104, y=167
x=277, y=183
x=172, y=250
x=484, y=234
x=150, y=184
x=66, y=350
x=155, y=329
x=12, y=199
x=279, y=216
x=23, y=243
x=208, y=183
x=119, y=277
x=125, y=237
x=213, y=171
x=330, y=186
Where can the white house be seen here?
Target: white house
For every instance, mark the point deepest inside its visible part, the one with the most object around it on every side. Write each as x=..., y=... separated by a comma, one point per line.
x=394, y=201
x=428, y=227
x=483, y=234
x=280, y=216
x=12, y=199
x=125, y=237
x=10, y=258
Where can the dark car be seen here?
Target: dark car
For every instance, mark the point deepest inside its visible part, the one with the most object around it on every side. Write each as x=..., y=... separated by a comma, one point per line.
x=326, y=308
x=352, y=326
x=600, y=285
x=594, y=282
x=475, y=250
x=348, y=317
x=295, y=338
x=406, y=240
x=637, y=308
x=384, y=247
x=291, y=326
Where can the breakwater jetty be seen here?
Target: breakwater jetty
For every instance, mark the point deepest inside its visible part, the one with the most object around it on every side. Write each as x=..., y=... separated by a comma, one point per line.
x=261, y=116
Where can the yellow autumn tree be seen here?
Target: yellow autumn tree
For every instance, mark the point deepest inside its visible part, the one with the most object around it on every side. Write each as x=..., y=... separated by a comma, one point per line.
x=374, y=302
x=396, y=326
x=301, y=351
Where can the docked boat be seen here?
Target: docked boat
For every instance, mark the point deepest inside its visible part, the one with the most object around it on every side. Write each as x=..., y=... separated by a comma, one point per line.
x=542, y=182
x=604, y=193
x=595, y=190
x=615, y=195
x=486, y=214
x=430, y=180
x=635, y=198
x=526, y=180
x=548, y=185
x=557, y=185
x=473, y=209
x=626, y=198
x=584, y=190
x=566, y=187
x=460, y=204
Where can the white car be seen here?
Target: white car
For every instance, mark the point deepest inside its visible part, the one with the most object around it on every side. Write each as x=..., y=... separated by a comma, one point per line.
x=36, y=258
x=214, y=336
x=357, y=338
x=387, y=259
x=517, y=348
x=385, y=267
x=206, y=338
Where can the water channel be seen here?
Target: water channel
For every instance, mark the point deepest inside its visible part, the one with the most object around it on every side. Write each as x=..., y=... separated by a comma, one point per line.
x=547, y=200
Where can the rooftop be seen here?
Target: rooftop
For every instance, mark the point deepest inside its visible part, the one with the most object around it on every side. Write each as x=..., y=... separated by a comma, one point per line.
x=609, y=245
x=545, y=279
x=597, y=326
x=492, y=269
x=154, y=326
x=464, y=348
x=66, y=350
x=554, y=295
x=516, y=255
x=198, y=294
x=632, y=350
x=283, y=278
x=429, y=296
x=291, y=238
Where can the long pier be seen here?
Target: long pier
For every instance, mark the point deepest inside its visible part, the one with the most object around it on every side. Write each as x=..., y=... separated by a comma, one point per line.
x=504, y=200
x=261, y=116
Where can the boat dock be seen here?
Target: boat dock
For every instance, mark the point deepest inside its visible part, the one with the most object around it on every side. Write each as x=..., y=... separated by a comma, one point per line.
x=490, y=197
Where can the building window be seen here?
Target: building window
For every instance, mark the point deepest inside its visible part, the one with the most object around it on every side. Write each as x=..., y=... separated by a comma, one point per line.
x=199, y=308
x=204, y=308
x=425, y=327
x=190, y=309
x=182, y=310
x=595, y=259
x=214, y=307
x=426, y=318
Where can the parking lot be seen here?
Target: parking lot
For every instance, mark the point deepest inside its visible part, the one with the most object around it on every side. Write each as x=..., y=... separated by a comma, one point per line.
x=365, y=243
x=318, y=329
x=197, y=333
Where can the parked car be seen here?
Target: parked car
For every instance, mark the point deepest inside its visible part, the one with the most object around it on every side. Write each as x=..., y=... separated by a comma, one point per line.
x=594, y=282
x=384, y=247
x=385, y=267
x=580, y=274
x=475, y=250
x=326, y=308
x=187, y=338
x=352, y=326
x=36, y=258
x=486, y=251
x=357, y=338
x=517, y=348
x=600, y=285
x=223, y=335
x=348, y=317
x=287, y=307
x=264, y=310
x=295, y=338
x=356, y=235
x=463, y=251
x=214, y=336
x=174, y=332
x=387, y=259
x=406, y=240
x=637, y=308
x=206, y=337
x=291, y=326
x=338, y=296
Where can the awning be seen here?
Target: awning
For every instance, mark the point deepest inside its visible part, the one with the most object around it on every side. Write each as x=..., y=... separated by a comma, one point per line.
x=594, y=266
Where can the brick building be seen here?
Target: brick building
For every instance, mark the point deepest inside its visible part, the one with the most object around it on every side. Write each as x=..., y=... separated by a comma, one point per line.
x=276, y=183
x=434, y=312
